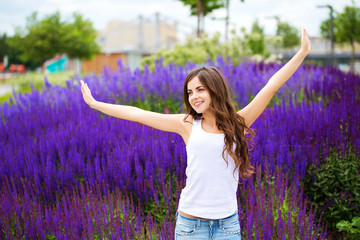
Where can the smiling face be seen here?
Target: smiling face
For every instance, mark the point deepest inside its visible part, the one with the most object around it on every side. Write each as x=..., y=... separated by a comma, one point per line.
x=199, y=97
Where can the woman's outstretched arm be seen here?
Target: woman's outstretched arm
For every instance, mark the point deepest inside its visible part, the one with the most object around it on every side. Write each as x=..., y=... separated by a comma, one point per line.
x=164, y=122
x=253, y=110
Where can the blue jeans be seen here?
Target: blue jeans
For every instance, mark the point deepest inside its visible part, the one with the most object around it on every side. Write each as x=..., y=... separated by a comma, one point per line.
x=212, y=229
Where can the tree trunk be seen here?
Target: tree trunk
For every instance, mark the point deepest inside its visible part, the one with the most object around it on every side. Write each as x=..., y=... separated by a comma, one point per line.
x=352, y=56
x=198, y=6
x=227, y=6
x=200, y=14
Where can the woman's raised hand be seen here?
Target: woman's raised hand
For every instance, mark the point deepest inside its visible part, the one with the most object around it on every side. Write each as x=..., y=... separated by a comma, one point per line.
x=305, y=42
x=88, y=98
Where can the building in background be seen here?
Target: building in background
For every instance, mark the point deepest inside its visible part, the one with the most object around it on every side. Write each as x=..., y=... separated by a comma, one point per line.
x=131, y=41
x=321, y=54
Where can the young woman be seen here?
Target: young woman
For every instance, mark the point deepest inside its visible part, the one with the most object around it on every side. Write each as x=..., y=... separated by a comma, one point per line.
x=216, y=138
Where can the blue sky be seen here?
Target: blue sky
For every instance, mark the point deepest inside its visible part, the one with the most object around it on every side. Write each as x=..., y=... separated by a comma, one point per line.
x=242, y=14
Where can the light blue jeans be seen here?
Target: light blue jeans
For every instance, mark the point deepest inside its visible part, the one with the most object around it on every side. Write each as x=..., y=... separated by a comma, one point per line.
x=212, y=229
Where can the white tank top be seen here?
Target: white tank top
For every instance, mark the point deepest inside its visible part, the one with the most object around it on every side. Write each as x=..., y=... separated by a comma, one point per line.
x=211, y=185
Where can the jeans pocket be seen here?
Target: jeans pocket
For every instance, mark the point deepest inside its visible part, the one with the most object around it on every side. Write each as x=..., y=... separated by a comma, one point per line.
x=184, y=229
x=231, y=227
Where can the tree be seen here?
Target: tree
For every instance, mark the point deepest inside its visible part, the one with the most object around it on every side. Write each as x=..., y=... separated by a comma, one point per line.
x=79, y=39
x=14, y=54
x=43, y=39
x=227, y=18
x=346, y=29
x=288, y=33
x=201, y=8
x=256, y=39
x=325, y=29
x=3, y=46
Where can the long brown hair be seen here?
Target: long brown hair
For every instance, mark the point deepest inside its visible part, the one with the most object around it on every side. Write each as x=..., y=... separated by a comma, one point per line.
x=227, y=119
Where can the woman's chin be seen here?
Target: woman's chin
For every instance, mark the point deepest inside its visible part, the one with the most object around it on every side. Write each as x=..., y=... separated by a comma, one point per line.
x=198, y=111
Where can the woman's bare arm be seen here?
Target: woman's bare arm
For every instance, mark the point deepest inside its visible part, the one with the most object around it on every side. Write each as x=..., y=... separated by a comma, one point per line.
x=254, y=109
x=165, y=122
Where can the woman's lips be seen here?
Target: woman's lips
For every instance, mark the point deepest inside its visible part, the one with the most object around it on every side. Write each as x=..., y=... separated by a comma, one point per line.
x=198, y=104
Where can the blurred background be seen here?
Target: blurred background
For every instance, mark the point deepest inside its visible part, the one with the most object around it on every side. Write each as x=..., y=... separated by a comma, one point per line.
x=78, y=37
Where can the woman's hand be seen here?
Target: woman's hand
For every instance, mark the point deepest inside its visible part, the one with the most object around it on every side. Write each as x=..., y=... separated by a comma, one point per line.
x=87, y=94
x=305, y=42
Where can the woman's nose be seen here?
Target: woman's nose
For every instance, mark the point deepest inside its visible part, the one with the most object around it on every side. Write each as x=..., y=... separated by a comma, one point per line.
x=194, y=97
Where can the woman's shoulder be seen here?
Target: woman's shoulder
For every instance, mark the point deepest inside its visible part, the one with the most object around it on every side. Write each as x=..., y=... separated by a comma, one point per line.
x=186, y=117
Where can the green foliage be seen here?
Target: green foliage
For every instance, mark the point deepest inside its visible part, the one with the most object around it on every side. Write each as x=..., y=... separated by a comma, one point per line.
x=194, y=50
x=238, y=48
x=288, y=33
x=43, y=39
x=199, y=51
x=352, y=228
x=152, y=103
x=14, y=54
x=325, y=29
x=22, y=82
x=158, y=207
x=40, y=38
x=204, y=6
x=79, y=40
x=5, y=97
x=201, y=8
x=346, y=26
x=3, y=46
x=256, y=40
x=284, y=209
x=334, y=188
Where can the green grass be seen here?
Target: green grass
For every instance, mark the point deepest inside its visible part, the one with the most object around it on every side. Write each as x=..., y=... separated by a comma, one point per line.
x=22, y=82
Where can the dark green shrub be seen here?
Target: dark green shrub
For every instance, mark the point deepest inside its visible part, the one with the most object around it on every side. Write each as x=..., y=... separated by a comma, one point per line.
x=352, y=228
x=334, y=188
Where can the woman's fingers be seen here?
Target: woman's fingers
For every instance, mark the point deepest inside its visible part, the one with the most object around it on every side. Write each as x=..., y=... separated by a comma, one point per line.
x=87, y=89
x=82, y=83
x=305, y=42
x=84, y=87
x=88, y=98
x=303, y=32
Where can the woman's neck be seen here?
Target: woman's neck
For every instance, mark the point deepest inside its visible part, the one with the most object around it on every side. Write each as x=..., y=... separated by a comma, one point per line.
x=209, y=119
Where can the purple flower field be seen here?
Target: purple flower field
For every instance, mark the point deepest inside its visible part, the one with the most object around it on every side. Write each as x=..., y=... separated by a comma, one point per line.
x=69, y=172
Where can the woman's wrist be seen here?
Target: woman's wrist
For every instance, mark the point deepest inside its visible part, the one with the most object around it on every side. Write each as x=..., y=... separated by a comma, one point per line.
x=303, y=52
x=94, y=104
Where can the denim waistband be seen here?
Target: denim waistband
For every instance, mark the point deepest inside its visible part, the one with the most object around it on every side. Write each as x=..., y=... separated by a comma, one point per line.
x=207, y=222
